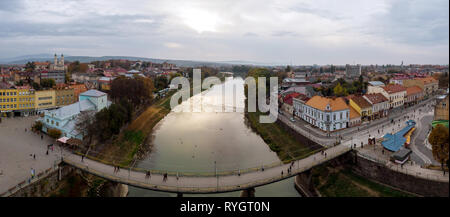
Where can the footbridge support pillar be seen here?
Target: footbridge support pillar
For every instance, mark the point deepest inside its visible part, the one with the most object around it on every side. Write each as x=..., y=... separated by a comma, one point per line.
x=304, y=184
x=249, y=192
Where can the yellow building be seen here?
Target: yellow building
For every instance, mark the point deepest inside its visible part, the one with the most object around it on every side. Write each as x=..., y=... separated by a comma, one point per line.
x=15, y=100
x=25, y=100
x=64, y=96
x=44, y=99
x=362, y=106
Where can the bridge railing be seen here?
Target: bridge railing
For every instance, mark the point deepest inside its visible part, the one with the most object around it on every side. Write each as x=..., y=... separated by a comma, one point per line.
x=203, y=174
x=30, y=180
x=405, y=169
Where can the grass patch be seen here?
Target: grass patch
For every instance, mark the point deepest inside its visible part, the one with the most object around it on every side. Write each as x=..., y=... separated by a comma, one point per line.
x=338, y=182
x=278, y=139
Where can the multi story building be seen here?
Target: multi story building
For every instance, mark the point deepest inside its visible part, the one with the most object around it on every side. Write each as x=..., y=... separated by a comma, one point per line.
x=66, y=117
x=413, y=95
x=64, y=96
x=380, y=104
x=16, y=100
x=441, y=109
x=355, y=118
x=362, y=106
x=78, y=88
x=58, y=75
x=374, y=85
x=393, y=92
x=429, y=85
x=352, y=71
x=44, y=99
x=328, y=114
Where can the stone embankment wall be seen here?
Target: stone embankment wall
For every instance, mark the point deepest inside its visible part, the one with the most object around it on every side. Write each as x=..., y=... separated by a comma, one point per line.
x=381, y=174
x=45, y=185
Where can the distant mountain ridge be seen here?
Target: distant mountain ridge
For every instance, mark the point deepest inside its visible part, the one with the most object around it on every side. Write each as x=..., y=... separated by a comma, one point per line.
x=86, y=59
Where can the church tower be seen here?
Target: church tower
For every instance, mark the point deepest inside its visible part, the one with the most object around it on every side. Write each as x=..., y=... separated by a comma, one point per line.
x=56, y=60
x=62, y=60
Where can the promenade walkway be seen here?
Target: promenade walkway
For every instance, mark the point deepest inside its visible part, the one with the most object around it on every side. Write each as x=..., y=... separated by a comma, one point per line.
x=202, y=183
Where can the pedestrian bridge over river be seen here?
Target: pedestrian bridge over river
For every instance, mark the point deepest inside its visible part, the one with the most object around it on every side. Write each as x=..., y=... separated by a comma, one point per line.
x=204, y=183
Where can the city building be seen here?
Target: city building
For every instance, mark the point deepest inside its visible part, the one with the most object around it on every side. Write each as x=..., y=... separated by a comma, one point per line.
x=380, y=104
x=352, y=70
x=413, y=95
x=355, y=118
x=441, y=108
x=78, y=88
x=58, y=75
x=395, y=93
x=44, y=99
x=58, y=65
x=362, y=106
x=372, y=85
x=65, y=118
x=328, y=114
x=64, y=96
x=15, y=100
x=429, y=85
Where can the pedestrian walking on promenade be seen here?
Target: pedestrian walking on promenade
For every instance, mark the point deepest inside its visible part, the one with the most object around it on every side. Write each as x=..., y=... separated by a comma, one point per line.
x=239, y=172
x=281, y=172
x=42, y=137
x=46, y=152
x=82, y=158
x=34, y=156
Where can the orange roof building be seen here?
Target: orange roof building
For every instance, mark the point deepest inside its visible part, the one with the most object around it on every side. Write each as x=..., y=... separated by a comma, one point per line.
x=414, y=94
x=326, y=113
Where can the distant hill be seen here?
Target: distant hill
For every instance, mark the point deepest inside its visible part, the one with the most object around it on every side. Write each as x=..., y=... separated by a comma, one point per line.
x=86, y=59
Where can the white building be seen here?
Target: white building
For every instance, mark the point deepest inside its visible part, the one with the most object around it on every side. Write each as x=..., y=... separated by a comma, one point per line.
x=328, y=114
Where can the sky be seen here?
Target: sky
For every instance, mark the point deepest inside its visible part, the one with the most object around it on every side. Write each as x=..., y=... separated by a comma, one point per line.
x=300, y=32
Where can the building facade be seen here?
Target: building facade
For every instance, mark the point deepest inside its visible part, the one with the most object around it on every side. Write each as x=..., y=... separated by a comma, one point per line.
x=441, y=109
x=352, y=70
x=429, y=85
x=362, y=106
x=64, y=96
x=66, y=117
x=414, y=95
x=44, y=99
x=380, y=104
x=327, y=114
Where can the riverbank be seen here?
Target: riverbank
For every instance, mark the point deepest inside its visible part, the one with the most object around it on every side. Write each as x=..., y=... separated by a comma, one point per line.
x=337, y=181
x=280, y=140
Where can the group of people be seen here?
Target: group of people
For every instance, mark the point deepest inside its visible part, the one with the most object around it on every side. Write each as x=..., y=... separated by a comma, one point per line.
x=147, y=174
x=324, y=153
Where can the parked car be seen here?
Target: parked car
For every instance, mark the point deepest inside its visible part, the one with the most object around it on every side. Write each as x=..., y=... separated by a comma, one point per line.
x=292, y=119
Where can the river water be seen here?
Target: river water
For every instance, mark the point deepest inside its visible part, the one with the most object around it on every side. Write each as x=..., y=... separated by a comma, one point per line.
x=209, y=140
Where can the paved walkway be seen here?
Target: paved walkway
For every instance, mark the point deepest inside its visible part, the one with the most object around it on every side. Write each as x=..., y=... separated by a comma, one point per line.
x=16, y=146
x=202, y=184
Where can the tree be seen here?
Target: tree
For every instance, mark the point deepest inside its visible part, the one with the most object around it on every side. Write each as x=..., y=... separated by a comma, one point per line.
x=54, y=133
x=47, y=83
x=85, y=125
x=339, y=90
x=37, y=126
x=439, y=141
x=30, y=66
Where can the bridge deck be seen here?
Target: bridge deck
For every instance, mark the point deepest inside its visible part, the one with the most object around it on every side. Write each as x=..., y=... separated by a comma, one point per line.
x=202, y=184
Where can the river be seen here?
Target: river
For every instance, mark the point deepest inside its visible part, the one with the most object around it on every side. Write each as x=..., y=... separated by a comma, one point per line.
x=206, y=141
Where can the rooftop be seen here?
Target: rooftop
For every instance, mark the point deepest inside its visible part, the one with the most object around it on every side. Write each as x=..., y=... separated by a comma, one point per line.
x=361, y=102
x=320, y=102
x=394, y=88
x=376, y=98
x=413, y=90
x=93, y=92
x=376, y=83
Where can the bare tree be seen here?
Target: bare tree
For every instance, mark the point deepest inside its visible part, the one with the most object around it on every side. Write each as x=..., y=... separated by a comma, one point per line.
x=86, y=125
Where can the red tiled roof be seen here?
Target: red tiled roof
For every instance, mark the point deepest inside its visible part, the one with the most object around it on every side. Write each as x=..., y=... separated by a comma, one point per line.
x=376, y=98
x=361, y=102
x=320, y=102
x=413, y=90
x=394, y=88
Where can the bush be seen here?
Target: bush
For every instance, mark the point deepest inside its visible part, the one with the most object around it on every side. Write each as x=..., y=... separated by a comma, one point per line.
x=54, y=133
x=37, y=126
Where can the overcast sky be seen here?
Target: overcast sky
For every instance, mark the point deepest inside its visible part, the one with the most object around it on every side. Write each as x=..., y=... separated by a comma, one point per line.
x=285, y=31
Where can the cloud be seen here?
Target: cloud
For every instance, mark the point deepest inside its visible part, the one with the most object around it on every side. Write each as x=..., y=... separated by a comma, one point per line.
x=301, y=31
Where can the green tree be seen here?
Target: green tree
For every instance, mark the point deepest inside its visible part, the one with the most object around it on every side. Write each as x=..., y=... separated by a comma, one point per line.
x=339, y=90
x=30, y=66
x=54, y=133
x=439, y=141
x=47, y=83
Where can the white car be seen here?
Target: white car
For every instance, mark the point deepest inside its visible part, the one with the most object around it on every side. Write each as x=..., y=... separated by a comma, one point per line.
x=292, y=119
